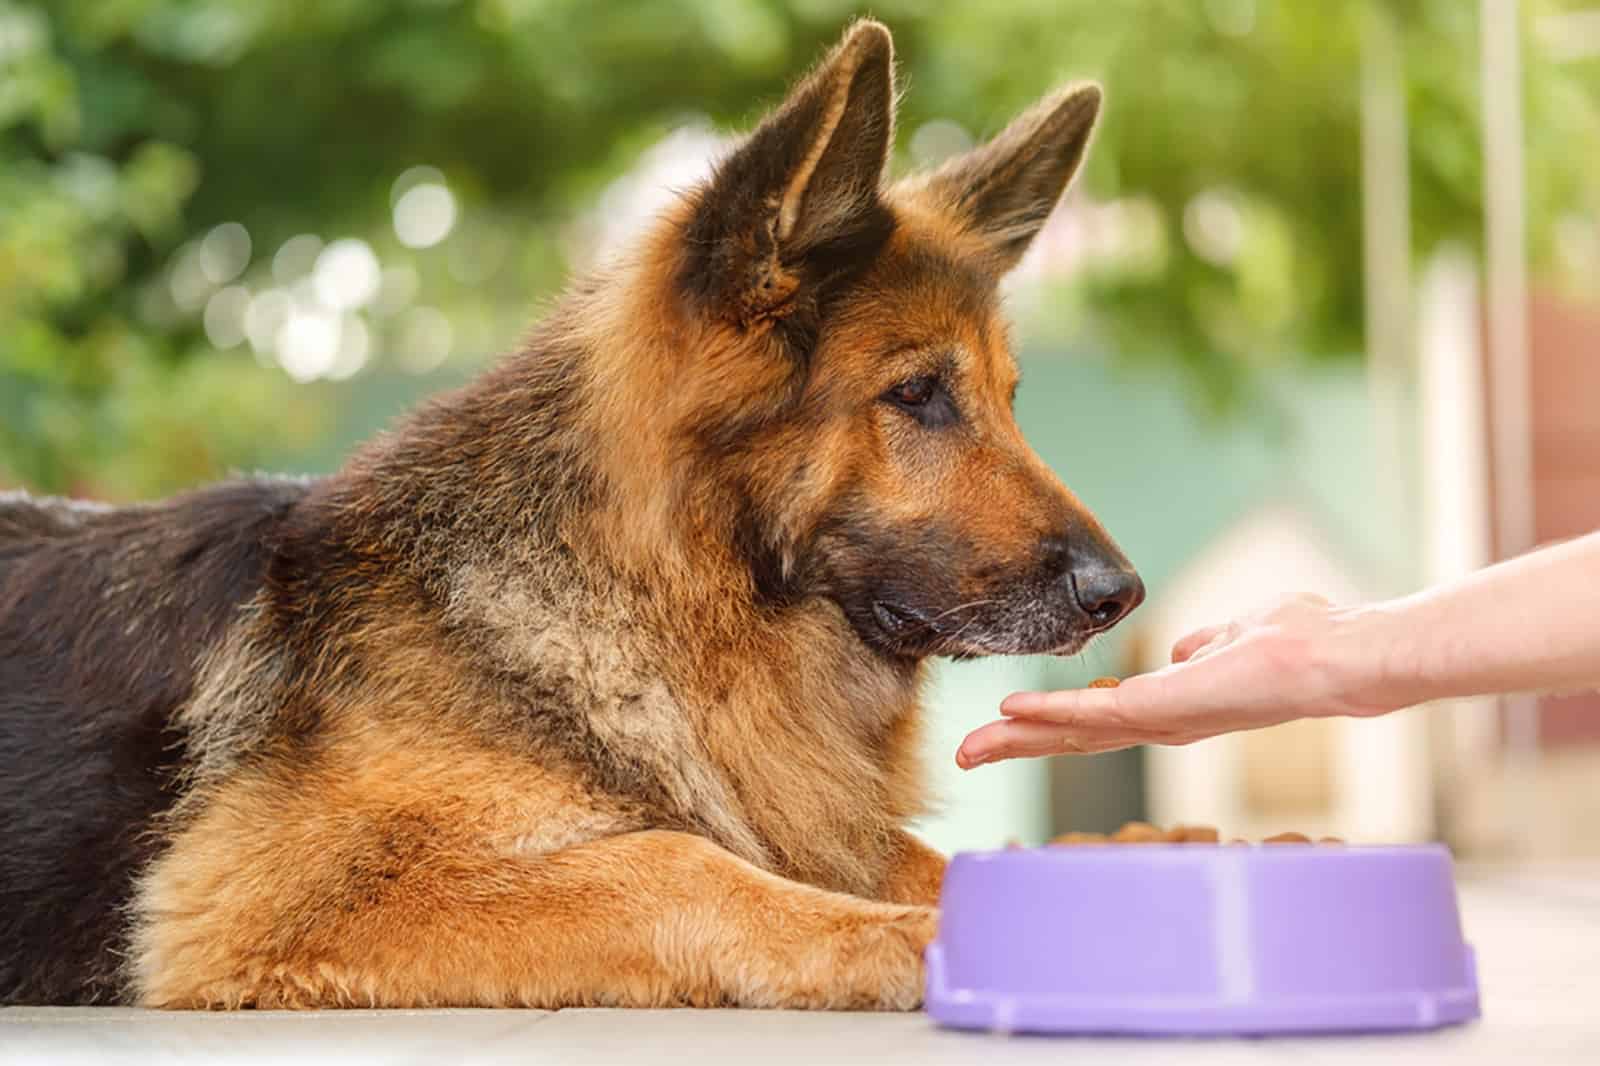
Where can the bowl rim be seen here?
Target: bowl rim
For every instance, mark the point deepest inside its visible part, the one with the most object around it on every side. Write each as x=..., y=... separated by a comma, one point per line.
x=1201, y=852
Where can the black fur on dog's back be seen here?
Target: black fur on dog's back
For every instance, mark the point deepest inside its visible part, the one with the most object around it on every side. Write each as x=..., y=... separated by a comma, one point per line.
x=103, y=614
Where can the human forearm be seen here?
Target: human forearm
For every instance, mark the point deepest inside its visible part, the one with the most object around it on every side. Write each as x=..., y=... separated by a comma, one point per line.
x=1528, y=624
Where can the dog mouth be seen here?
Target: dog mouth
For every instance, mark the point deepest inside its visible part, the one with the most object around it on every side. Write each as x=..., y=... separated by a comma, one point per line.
x=904, y=630
x=1072, y=646
x=898, y=622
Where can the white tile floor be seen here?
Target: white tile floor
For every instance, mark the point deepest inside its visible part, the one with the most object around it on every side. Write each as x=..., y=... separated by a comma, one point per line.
x=1537, y=935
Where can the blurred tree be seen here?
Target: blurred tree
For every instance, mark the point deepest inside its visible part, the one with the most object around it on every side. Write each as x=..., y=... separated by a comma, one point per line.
x=1237, y=123
x=131, y=130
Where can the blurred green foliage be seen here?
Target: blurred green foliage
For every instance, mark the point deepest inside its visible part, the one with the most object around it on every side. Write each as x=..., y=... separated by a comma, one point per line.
x=130, y=128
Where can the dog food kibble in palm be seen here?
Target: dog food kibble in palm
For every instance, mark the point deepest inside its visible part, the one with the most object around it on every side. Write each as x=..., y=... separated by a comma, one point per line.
x=1104, y=682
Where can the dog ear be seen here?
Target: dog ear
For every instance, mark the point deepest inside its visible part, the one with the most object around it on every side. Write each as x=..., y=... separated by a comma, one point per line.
x=1005, y=189
x=799, y=199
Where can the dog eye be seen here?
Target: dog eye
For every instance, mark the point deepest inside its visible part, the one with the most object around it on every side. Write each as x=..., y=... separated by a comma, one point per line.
x=913, y=393
x=926, y=400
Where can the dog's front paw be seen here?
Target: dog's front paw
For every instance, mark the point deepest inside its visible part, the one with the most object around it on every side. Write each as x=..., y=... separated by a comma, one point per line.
x=889, y=968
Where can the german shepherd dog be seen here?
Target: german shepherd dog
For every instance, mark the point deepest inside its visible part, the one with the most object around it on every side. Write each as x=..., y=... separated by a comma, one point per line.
x=596, y=681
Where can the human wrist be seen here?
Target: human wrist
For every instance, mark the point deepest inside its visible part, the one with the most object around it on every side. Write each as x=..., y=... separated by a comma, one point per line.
x=1373, y=659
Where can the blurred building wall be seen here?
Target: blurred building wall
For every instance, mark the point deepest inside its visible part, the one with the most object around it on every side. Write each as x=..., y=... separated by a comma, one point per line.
x=1564, y=346
x=1549, y=808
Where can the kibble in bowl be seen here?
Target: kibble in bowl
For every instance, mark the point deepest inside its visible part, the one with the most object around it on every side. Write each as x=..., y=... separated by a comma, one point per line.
x=1145, y=833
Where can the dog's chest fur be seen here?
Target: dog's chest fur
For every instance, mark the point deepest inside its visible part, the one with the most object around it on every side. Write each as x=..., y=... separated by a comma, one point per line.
x=801, y=771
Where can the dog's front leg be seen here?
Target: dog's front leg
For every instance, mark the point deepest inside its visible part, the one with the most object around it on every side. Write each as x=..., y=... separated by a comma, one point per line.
x=645, y=919
x=915, y=874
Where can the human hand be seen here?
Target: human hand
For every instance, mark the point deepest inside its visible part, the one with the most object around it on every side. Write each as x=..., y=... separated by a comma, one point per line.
x=1300, y=659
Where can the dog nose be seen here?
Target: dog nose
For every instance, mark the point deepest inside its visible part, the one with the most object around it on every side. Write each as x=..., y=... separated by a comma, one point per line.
x=1104, y=586
x=1055, y=553
x=1106, y=593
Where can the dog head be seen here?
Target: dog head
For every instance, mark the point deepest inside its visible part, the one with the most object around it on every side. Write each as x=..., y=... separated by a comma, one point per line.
x=848, y=395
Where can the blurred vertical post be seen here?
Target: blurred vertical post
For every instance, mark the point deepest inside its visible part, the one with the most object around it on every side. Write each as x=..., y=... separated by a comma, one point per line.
x=1506, y=285
x=1385, y=772
x=1457, y=528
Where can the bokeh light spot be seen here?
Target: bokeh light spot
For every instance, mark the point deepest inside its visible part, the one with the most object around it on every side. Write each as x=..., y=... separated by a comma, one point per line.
x=308, y=343
x=423, y=340
x=355, y=345
x=225, y=252
x=295, y=258
x=424, y=215
x=225, y=316
x=264, y=317
x=187, y=280
x=938, y=140
x=1214, y=226
x=346, y=275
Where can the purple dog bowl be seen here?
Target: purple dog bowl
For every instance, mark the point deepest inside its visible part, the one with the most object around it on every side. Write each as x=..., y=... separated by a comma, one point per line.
x=1195, y=938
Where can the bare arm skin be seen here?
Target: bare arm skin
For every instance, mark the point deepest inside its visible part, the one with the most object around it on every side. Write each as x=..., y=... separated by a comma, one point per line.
x=1528, y=624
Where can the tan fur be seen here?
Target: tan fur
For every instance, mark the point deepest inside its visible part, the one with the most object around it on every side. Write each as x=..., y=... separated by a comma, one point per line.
x=559, y=749
x=423, y=871
x=292, y=885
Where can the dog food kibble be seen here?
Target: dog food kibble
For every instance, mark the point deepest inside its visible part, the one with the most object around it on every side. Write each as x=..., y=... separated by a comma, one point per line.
x=1081, y=838
x=1138, y=833
x=1104, y=682
x=1145, y=833
x=1193, y=834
